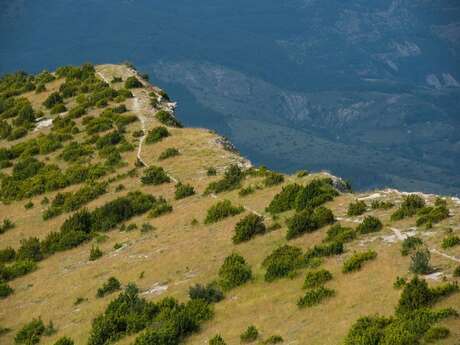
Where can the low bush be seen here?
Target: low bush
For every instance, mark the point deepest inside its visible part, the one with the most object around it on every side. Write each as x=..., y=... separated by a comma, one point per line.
x=399, y=282
x=411, y=204
x=339, y=233
x=381, y=204
x=356, y=261
x=248, y=227
x=436, y=333
x=7, y=255
x=210, y=293
x=160, y=207
x=246, y=191
x=157, y=134
x=58, y=108
x=5, y=290
x=30, y=333
x=457, y=271
x=430, y=215
x=232, y=180
x=211, y=171
x=6, y=225
x=316, y=193
x=155, y=175
x=249, y=335
x=273, y=339
x=168, y=153
x=17, y=269
x=315, y=296
x=53, y=99
x=95, y=253
x=283, y=262
x=324, y=250
x=356, y=208
x=317, y=278
x=234, y=272
x=167, y=119
x=132, y=83
x=217, y=340
x=450, y=241
x=222, y=210
x=64, y=341
x=110, y=286
x=183, y=191
x=369, y=225
x=409, y=244
x=273, y=179
x=420, y=262
x=302, y=222
x=30, y=250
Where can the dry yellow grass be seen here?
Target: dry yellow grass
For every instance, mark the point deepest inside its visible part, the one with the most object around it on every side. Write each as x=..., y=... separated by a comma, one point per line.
x=178, y=254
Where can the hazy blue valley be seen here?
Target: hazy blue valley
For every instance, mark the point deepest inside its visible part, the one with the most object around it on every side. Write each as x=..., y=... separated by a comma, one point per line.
x=366, y=89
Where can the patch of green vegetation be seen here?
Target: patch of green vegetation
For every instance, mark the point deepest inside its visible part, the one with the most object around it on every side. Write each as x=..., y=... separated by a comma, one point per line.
x=167, y=119
x=209, y=293
x=6, y=225
x=110, y=286
x=157, y=134
x=450, y=241
x=132, y=83
x=410, y=244
x=217, y=340
x=95, y=253
x=155, y=175
x=338, y=233
x=183, y=191
x=160, y=207
x=249, y=335
x=317, y=278
x=315, y=296
x=356, y=208
x=234, y=272
x=283, y=262
x=308, y=221
x=231, y=180
x=420, y=262
x=273, y=179
x=370, y=224
x=430, y=215
x=248, y=227
x=222, y=210
x=5, y=290
x=410, y=206
x=168, y=153
x=356, y=261
x=324, y=250
x=381, y=204
x=32, y=332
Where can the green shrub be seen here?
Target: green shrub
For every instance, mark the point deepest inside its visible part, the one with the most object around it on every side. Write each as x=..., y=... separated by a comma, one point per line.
x=160, y=207
x=284, y=200
x=409, y=244
x=157, y=134
x=168, y=153
x=222, y=210
x=324, y=250
x=234, y=272
x=7, y=255
x=154, y=175
x=399, y=282
x=381, y=204
x=232, y=180
x=355, y=262
x=210, y=293
x=211, y=171
x=17, y=269
x=369, y=225
x=339, y=233
x=183, y=191
x=249, y=335
x=273, y=179
x=356, y=208
x=167, y=119
x=110, y=286
x=95, y=253
x=420, y=262
x=273, y=339
x=248, y=227
x=302, y=173
x=5, y=290
x=6, y=225
x=436, y=333
x=282, y=262
x=53, y=99
x=64, y=341
x=411, y=204
x=246, y=191
x=58, y=108
x=217, y=340
x=315, y=296
x=317, y=278
x=322, y=216
x=368, y=330
x=431, y=215
x=132, y=83
x=457, y=271
x=302, y=222
x=450, y=241
x=314, y=194
x=30, y=333
x=30, y=250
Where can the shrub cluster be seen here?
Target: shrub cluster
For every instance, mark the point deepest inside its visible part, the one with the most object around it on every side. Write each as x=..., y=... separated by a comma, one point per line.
x=234, y=272
x=317, y=278
x=222, y=210
x=132, y=83
x=167, y=119
x=356, y=208
x=299, y=197
x=183, y=191
x=339, y=233
x=420, y=262
x=217, y=340
x=32, y=332
x=308, y=221
x=232, y=180
x=160, y=207
x=16, y=269
x=284, y=261
x=68, y=202
x=381, y=204
x=248, y=227
x=430, y=215
x=450, y=241
x=324, y=250
x=6, y=225
x=155, y=175
x=110, y=286
x=95, y=253
x=273, y=179
x=315, y=296
x=168, y=153
x=7, y=255
x=356, y=261
x=5, y=290
x=369, y=225
x=409, y=244
x=411, y=204
x=157, y=134
x=249, y=335
x=210, y=293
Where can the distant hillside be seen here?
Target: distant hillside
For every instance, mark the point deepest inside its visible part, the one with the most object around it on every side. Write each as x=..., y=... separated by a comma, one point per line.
x=120, y=225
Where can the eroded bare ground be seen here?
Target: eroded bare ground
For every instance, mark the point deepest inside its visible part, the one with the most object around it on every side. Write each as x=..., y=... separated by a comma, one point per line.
x=179, y=253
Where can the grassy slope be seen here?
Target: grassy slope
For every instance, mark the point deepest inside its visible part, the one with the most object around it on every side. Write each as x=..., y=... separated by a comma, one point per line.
x=177, y=255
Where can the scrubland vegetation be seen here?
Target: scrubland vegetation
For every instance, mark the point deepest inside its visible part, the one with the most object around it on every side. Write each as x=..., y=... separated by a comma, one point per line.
x=94, y=216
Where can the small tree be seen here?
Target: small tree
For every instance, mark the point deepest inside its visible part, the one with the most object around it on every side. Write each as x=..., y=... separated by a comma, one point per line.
x=155, y=175
x=356, y=208
x=248, y=227
x=370, y=224
x=420, y=262
x=234, y=272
